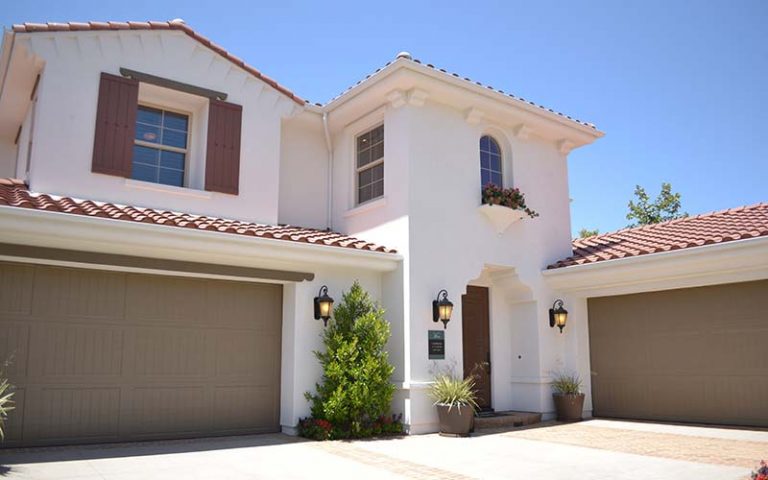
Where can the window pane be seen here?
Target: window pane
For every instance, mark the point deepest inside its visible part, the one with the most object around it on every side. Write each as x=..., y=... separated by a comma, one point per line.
x=364, y=158
x=172, y=160
x=175, y=121
x=171, y=177
x=377, y=134
x=148, y=115
x=377, y=189
x=494, y=146
x=364, y=194
x=485, y=177
x=145, y=155
x=147, y=133
x=364, y=178
x=485, y=160
x=496, y=163
x=377, y=151
x=172, y=138
x=143, y=172
x=485, y=142
x=363, y=141
x=377, y=172
x=496, y=179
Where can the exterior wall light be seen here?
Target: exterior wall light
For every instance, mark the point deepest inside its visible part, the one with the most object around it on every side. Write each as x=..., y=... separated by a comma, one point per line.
x=323, y=305
x=442, y=308
x=558, y=315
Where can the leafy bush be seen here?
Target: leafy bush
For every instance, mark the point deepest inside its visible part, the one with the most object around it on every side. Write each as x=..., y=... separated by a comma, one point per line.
x=506, y=197
x=355, y=391
x=6, y=404
x=566, y=383
x=449, y=390
x=761, y=473
x=318, y=429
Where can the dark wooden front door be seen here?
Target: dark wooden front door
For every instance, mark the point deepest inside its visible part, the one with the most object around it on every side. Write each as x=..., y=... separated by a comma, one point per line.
x=477, y=342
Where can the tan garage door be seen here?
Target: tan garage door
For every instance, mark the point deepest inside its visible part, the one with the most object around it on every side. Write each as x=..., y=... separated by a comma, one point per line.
x=106, y=356
x=692, y=355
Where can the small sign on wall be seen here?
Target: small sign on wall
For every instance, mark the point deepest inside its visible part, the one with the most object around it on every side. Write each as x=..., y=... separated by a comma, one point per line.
x=436, y=344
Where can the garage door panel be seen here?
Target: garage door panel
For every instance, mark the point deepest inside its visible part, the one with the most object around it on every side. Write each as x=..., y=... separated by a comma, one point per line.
x=64, y=294
x=56, y=413
x=239, y=305
x=169, y=352
x=260, y=402
x=693, y=354
x=167, y=411
x=74, y=352
x=238, y=351
x=16, y=282
x=108, y=356
x=14, y=342
x=165, y=300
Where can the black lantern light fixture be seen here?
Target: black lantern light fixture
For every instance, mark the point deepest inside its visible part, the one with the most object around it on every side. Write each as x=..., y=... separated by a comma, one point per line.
x=323, y=305
x=558, y=315
x=442, y=308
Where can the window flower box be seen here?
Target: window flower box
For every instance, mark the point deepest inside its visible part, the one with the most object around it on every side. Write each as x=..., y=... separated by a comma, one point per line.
x=504, y=206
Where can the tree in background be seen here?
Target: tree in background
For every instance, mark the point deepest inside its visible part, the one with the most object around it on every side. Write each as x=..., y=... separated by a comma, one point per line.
x=646, y=212
x=355, y=392
x=584, y=233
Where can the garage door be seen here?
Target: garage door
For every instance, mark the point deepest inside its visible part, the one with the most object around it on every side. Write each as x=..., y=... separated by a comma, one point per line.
x=692, y=355
x=107, y=356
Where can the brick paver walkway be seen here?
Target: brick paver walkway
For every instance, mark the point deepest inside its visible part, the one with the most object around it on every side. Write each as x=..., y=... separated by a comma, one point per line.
x=391, y=464
x=717, y=451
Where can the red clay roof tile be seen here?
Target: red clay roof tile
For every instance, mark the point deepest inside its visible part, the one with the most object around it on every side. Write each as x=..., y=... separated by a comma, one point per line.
x=14, y=193
x=154, y=25
x=709, y=229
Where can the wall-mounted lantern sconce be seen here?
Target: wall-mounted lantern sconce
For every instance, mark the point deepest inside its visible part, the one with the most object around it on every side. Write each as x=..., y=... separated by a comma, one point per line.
x=323, y=305
x=558, y=315
x=442, y=308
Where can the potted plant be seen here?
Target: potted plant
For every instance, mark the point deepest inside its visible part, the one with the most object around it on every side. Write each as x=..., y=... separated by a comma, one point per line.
x=569, y=401
x=506, y=197
x=455, y=402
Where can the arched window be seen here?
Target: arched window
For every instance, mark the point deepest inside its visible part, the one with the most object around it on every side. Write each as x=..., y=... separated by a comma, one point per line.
x=490, y=161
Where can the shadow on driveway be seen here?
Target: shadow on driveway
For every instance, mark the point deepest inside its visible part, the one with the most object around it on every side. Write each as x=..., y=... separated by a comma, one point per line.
x=29, y=455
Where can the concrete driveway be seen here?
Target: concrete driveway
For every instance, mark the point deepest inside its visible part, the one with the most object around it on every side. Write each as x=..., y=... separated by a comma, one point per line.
x=594, y=449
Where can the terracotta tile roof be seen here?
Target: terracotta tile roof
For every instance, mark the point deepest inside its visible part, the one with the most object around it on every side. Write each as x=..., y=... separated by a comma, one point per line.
x=465, y=79
x=708, y=229
x=14, y=193
x=176, y=24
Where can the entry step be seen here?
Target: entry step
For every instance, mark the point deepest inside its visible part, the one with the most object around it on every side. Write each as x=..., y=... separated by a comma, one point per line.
x=506, y=419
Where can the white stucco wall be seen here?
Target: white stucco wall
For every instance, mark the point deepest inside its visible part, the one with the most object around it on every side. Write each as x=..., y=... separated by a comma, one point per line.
x=67, y=99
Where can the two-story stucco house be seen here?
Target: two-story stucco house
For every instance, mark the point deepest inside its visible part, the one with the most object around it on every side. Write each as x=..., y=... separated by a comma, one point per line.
x=168, y=213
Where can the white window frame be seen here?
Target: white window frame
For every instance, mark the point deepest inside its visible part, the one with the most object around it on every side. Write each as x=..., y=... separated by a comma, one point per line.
x=370, y=165
x=169, y=148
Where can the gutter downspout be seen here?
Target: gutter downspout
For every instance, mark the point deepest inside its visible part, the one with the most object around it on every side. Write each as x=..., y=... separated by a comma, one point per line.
x=329, y=147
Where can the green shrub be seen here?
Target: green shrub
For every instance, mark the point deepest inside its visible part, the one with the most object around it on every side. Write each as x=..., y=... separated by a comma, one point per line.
x=6, y=404
x=355, y=390
x=566, y=383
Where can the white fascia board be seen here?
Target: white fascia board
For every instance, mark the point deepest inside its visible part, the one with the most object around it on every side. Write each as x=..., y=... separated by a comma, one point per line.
x=462, y=84
x=735, y=261
x=104, y=235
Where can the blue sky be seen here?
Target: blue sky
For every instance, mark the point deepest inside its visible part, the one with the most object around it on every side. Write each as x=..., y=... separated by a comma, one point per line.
x=679, y=87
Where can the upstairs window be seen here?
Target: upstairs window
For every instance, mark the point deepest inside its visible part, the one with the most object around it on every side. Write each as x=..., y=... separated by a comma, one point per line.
x=370, y=165
x=490, y=162
x=160, y=146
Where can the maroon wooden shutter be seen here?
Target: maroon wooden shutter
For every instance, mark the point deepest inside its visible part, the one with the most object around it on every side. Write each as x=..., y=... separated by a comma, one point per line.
x=222, y=160
x=115, y=125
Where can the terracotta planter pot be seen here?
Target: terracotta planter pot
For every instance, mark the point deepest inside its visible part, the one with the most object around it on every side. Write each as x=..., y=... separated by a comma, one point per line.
x=569, y=406
x=457, y=422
